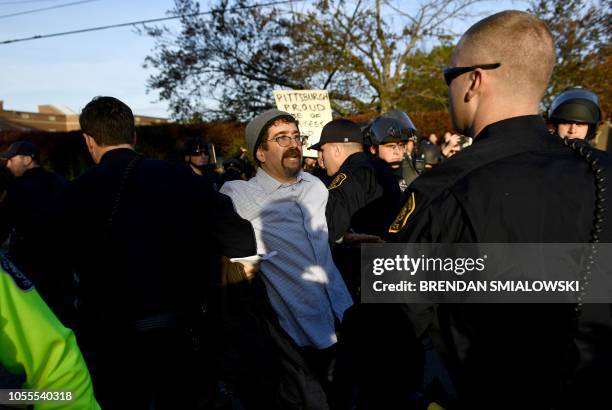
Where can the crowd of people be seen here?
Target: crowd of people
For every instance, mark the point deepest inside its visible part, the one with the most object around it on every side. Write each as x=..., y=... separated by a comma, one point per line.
x=143, y=284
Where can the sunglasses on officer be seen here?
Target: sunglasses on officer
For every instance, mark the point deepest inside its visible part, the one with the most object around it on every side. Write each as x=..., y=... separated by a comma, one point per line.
x=450, y=73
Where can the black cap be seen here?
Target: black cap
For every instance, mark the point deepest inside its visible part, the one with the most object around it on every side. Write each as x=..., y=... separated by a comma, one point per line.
x=20, y=148
x=340, y=130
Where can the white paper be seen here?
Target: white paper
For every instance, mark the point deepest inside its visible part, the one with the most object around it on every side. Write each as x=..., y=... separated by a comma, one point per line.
x=254, y=258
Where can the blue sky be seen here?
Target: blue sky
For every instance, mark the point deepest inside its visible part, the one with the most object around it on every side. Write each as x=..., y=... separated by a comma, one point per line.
x=70, y=70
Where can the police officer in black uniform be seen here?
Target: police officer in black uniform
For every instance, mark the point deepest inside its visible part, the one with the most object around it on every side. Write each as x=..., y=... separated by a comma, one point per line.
x=357, y=191
x=575, y=114
x=126, y=228
x=363, y=199
x=386, y=139
x=516, y=183
x=197, y=158
x=23, y=212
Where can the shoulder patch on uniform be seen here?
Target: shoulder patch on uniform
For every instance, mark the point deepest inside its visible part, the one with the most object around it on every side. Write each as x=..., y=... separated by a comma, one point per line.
x=19, y=278
x=340, y=178
x=400, y=220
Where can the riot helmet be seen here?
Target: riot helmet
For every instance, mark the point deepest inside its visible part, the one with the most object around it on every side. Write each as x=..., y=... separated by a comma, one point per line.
x=385, y=129
x=196, y=146
x=576, y=105
x=197, y=154
x=403, y=119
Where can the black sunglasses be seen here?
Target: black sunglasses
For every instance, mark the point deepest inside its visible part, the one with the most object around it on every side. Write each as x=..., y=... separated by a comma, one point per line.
x=451, y=73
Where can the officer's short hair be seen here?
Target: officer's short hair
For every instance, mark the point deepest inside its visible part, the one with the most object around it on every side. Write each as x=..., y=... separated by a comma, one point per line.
x=108, y=121
x=523, y=45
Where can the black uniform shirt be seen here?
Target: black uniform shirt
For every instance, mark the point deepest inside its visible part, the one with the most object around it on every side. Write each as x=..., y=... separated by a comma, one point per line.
x=362, y=196
x=23, y=209
x=516, y=183
x=157, y=254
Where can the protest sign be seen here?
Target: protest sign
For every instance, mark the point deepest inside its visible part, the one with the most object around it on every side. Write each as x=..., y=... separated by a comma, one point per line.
x=311, y=108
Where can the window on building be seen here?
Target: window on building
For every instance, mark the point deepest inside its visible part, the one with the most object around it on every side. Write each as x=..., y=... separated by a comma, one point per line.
x=51, y=117
x=25, y=116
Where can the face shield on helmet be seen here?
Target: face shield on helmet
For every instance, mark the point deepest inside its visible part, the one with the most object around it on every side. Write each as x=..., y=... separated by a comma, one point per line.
x=384, y=130
x=196, y=146
x=576, y=105
x=403, y=119
x=197, y=153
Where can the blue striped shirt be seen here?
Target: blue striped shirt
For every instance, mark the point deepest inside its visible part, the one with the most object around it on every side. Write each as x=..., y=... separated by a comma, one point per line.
x=303, y=284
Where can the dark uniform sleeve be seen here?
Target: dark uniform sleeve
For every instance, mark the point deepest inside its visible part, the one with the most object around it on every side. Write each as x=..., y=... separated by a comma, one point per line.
x=441, y=220
x=233, y=235
x=348, y=193
x=7, y=215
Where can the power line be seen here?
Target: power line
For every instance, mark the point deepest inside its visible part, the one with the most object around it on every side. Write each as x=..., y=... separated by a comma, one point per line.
x=85, y=30
x=46, y=8
x=2, y=3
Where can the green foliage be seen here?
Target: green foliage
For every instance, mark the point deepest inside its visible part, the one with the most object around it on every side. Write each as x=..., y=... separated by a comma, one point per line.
x=423, y=87
x=582, y=31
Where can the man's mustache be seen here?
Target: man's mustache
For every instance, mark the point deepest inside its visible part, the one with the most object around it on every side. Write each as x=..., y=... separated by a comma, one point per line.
x=292, y=153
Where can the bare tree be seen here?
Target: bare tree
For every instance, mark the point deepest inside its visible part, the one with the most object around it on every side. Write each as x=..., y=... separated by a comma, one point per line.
x=366, y=53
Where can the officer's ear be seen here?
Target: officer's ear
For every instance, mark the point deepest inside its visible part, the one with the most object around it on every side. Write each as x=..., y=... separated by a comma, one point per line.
x=92, y=147
x=338, y=150
x=372, y=150
x=476, y=83
x=89, y=141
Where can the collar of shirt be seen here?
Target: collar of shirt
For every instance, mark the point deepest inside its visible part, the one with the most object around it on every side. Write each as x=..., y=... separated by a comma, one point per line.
x=526, y=129
x=354, y=159
x=270, y=184
x=118, y=154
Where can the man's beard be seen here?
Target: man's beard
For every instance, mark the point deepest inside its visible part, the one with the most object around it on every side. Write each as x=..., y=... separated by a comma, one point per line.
x=291, y=171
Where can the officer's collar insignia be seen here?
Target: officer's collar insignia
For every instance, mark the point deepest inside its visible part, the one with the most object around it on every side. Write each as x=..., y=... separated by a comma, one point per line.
x=19, y=278
x=404, y=214
x=340, y=178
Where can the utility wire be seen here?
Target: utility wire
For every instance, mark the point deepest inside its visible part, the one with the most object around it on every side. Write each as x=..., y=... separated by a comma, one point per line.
x=46, y=8
x=85, y=30
x=3, y=3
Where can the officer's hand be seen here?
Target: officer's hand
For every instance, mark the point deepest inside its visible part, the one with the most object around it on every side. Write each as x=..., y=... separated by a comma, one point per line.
x=351, y=238
x=250, y=269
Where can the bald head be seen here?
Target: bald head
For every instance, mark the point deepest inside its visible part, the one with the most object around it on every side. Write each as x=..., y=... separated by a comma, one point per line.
x=334, y=154
x=523, y=45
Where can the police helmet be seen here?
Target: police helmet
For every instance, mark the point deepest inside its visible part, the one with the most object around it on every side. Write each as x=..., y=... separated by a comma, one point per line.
x=196, y=146
x=232, y=163
x=387, y=129
x=576, y=105
x=403, y=119
x=430, y=153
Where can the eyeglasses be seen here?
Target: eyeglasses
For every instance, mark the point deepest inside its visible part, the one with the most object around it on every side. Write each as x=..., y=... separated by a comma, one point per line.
x=285, y=140
x=400, y=146
x=451, y=73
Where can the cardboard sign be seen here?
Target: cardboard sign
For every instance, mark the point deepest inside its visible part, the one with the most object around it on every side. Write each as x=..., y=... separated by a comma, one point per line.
x=311, y=108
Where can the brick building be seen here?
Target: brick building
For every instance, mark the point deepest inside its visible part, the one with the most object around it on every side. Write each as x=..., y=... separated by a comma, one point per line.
x=54, y=119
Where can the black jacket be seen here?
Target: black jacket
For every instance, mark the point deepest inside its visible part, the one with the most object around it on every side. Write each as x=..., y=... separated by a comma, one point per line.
x=363, y=196
x=23, y=214
x=156, y=256
x=516, y=183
